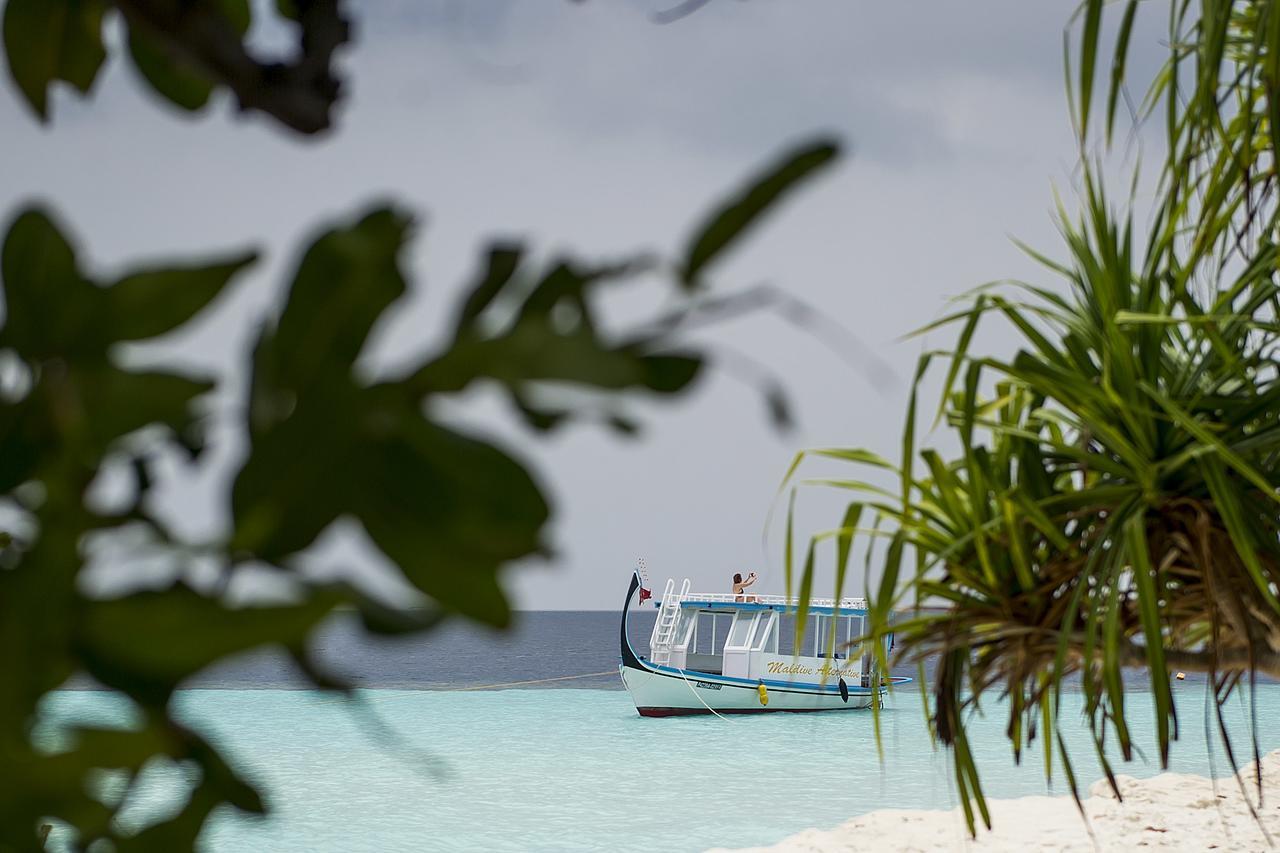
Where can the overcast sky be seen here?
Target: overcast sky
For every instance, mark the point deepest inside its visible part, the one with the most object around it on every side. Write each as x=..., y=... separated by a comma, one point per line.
x=588, y=127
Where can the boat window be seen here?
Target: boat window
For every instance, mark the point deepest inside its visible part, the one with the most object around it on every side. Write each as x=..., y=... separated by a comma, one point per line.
x=786, y=634
x=840, y=627
x=741, y=631
x=766, y=635
x=809, y=643
x=820, y=628
x=685, y=631
x=713, y=630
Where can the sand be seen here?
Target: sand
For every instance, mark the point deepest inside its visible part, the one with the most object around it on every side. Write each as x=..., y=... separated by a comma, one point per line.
x=1172, y=811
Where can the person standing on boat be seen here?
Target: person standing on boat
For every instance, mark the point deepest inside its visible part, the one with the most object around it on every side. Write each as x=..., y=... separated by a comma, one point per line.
x=739, y=585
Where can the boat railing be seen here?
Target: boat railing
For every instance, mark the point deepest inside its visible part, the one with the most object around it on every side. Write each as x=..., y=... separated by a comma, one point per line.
x=783, y=600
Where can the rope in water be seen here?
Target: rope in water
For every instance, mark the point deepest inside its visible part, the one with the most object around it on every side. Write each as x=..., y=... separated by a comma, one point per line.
x=530, y=681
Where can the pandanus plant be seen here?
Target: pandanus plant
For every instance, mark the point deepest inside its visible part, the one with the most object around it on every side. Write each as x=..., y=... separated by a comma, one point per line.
x=1115, y=501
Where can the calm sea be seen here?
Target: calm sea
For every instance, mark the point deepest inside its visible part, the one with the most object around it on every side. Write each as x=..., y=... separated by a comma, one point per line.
x=415, y=763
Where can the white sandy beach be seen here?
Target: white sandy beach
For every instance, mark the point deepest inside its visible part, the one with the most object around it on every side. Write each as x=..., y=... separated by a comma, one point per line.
x=1172, y=811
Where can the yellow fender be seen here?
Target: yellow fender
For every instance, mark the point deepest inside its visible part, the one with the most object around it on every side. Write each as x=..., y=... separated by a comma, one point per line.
x=764, y=693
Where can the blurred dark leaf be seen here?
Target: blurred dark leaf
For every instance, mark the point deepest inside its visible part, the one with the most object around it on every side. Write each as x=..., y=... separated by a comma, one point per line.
x=186, y=49
x=50, y=310
x=500, y=265
x=669, y=374
x=307, y=414
x=779, y=408
x=735, y=217
x=54, y=311
x=678, y=11
x=623, y=426
x=115, y=402
x=154, y=302
x=25, y=438
x=549, y=335
x=170, y=70
x=347, y=278
x=170, y=77
x=378, y=618
x=220, y=777
x=146, y=643
x=292, y=485
x=49, y=40
x=218, y=784
x=239, y=13
x=539, y=417
x=178, y=832
x=450, y=511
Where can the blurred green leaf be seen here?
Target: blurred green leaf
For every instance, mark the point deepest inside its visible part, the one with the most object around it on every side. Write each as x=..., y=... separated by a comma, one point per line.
x=53, y=310
x=501, y=263
x=146, y=643
x=164, y=62
x=151, y=398
x=731, y=220
x=50, y=309
x=549, y=335
x=49, y=40
x=346, y=279
x=153, y=302
x=25, y=439
x=450, y=512
x=669, y=374
x=172, y=78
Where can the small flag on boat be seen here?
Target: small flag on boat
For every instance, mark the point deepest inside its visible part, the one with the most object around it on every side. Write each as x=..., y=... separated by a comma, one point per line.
x=645, y=594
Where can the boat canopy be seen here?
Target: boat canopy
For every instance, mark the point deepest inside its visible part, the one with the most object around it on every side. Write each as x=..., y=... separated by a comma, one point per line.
x=727, y=602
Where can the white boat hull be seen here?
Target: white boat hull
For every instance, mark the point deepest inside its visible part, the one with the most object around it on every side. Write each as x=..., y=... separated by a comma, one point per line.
x=666, y=692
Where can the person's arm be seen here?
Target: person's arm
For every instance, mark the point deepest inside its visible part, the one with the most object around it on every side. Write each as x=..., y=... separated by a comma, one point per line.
x=751, y=578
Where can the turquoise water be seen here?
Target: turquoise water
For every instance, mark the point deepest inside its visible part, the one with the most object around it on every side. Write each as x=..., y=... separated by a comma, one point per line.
x=579, y=770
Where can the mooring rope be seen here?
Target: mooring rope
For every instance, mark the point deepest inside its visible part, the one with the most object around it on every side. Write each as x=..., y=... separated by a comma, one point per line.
x=518, y=683
x=699, y=698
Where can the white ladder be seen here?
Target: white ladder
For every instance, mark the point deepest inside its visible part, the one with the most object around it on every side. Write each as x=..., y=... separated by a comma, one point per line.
x=664, y=630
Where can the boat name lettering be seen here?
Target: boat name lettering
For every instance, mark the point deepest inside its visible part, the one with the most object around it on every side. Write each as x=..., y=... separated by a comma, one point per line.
x=706, y=685
x=826, y=670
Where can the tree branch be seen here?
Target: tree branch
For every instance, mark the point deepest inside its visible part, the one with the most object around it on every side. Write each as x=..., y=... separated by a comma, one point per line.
x=300, y=94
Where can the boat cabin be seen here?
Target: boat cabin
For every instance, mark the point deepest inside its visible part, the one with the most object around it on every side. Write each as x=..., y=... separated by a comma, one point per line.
x=752, y=637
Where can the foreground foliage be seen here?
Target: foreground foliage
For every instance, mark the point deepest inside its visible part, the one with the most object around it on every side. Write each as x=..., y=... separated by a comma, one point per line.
x=329, y=439
x=1114, y=502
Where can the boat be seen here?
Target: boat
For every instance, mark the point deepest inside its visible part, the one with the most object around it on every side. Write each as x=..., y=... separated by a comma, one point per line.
x=695, y=666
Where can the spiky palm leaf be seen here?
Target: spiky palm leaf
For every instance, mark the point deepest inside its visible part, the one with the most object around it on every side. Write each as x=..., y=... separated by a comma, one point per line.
x=1116, y=501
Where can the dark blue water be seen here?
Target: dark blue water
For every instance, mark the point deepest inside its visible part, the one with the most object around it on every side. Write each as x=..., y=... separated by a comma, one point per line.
x=539, y=645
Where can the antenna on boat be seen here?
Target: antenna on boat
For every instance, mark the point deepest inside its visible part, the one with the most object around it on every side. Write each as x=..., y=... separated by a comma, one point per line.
x=642, y=571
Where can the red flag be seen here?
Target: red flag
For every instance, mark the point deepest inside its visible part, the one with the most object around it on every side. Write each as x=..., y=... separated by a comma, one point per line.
x=644, y=593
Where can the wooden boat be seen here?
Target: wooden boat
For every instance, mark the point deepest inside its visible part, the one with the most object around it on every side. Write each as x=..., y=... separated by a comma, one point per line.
x=691, y=669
